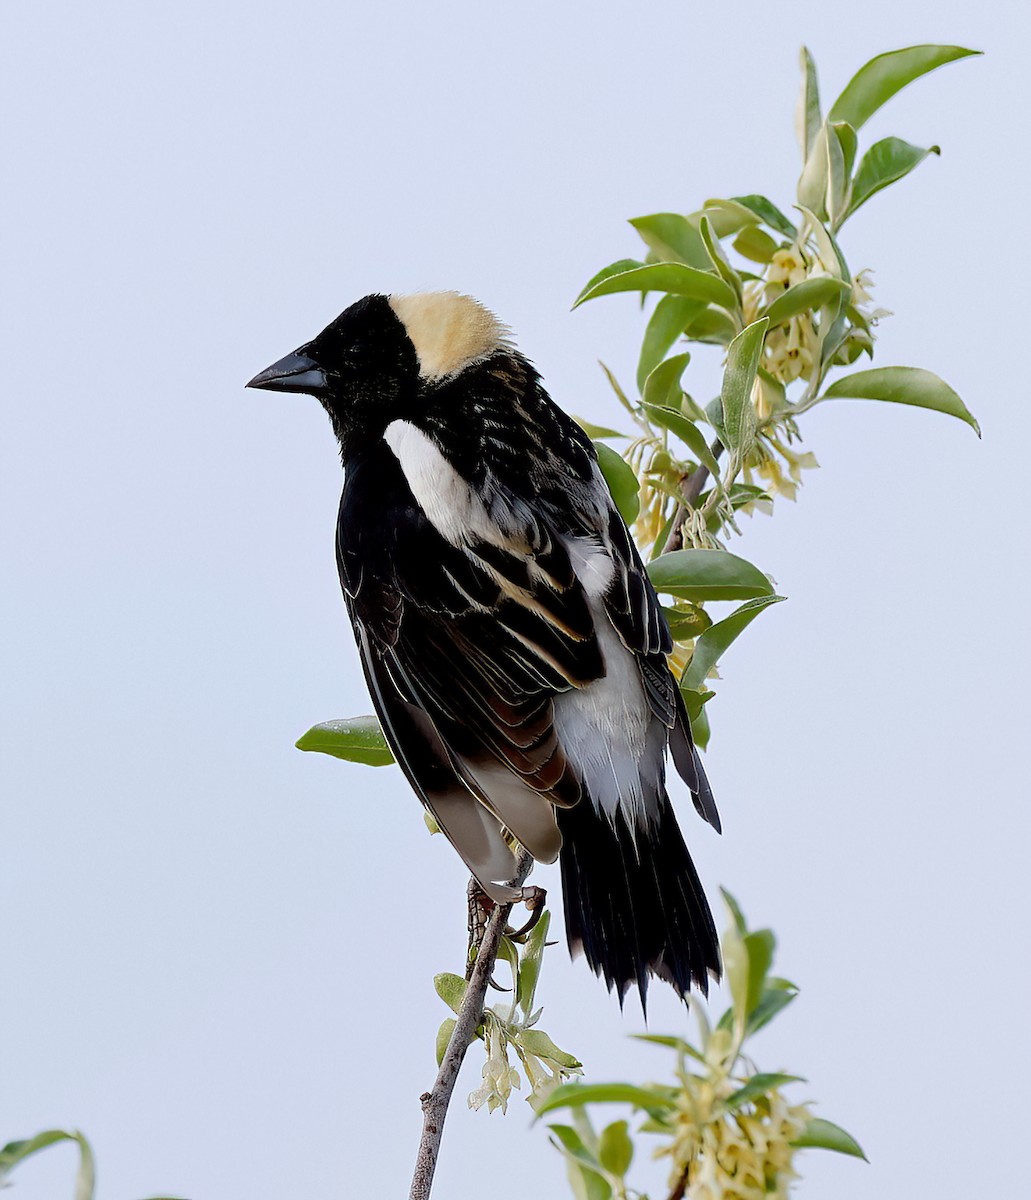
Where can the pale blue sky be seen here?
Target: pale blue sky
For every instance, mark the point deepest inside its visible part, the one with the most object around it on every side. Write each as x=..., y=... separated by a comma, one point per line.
x=217, y=951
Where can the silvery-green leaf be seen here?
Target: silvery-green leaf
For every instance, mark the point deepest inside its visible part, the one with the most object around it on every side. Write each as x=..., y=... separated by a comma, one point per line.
x=841, y=153
x=726, y=216
x=759, y=1085
x=615, y=1149
x=536, y=1041
x=619, y=267
x=755, y=244
x=807, y=115
x=769, y=213
x=574, y=1095
x=595, y=432
x=714, y=642
x=687, y=431
x=812, y=183
x=662, y=387
x=884, y=163
x=712, y=325
x=806, y=296
x=879, y=79
x=530, y=963
x=674, y=278
x=354, y=739
x=707, y=575
x=739, y=419
x=902, y=385
x=451, y=989
x=447, y=1028
x=667, y=323
x=716, y=256
x=622, y=482
x=828, y=1136
x=672, y=238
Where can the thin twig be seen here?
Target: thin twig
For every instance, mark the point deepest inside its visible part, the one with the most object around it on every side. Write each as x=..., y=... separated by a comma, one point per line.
x=692, y=490
x=435, y=1102
x=680, y=1189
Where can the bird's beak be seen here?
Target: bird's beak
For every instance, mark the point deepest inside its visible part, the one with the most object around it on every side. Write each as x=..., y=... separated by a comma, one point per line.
x=294, y=373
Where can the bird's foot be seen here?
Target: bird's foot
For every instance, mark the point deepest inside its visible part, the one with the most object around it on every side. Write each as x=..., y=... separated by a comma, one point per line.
x=480, y=908
x=534, y=898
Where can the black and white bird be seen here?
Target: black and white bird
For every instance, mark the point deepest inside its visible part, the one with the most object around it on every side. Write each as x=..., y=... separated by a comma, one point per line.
x=511, y=639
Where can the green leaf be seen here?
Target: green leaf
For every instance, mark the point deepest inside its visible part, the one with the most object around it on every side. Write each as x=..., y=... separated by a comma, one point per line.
x=672, y=238
x=812, y=183
x=572, y=1143
x=708, y=575
x=828, y=1136
x=718, y=259
x=584, y=1169
x=809, y=294
x=714, y=642
x=686, y=623
x=759, y=947
x=673, y=1043
x=758, y=1085
x=755, y=244
x=902, y=385
x=841, y=154
x=86, y=1179
x=619, y=267
x=769, y=213
x=615, y=1149
x=701, y=731
x=622, y=482
x=807, y=116
x=695, y=702
x=726, y=216
x=737, y=916
x=671, y=317
x=530, y=963
x=712, y=325
x=447, y=1028
x=536, y=1041
x=594, y=432
x=885, y=163
x=662, y=387
x=620, y=394
x=687, y=431
x=775, y=999
x=879, y=79
x=574, y=1095
x=675, y=278
x=451, y=989
x=739, y=419
x=17, y=1152
x=354, y=739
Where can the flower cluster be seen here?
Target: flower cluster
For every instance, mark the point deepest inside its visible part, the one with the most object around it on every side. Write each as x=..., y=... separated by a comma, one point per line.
x=729, y=1152
x=546, y=1066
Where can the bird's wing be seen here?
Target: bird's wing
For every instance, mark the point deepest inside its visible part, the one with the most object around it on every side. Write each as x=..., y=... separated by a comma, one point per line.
x=536, y=462
x=635, y=612
x=464, y=647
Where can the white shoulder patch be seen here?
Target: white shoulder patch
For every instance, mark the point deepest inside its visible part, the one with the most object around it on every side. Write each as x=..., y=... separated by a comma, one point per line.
x=451, y=505
x=449, y=331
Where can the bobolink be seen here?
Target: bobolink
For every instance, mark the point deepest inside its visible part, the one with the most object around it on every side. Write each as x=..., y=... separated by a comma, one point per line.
x=512, y=642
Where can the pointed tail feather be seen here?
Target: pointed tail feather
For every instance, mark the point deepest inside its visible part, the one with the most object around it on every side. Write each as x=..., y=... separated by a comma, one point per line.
x=633, y=901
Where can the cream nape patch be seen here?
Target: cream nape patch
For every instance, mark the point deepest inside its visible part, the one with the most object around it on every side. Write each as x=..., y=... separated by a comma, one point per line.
x=448, y=330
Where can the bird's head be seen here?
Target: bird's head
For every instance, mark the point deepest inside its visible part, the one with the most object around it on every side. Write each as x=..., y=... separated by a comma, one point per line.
x=378, y=358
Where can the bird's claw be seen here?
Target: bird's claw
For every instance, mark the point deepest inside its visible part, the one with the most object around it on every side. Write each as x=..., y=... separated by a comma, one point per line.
x=534, y=898
x=480, y=908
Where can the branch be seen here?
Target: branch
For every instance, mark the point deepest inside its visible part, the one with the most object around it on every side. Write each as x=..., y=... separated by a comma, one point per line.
x=692, y=490
x=435, y=1102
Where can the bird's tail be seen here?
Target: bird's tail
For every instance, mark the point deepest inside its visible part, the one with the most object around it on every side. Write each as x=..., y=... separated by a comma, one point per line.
x=633, y=900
